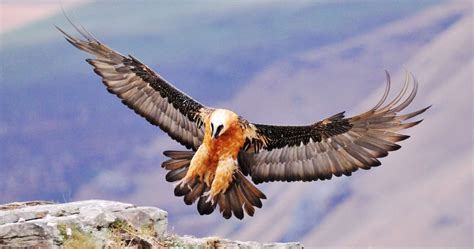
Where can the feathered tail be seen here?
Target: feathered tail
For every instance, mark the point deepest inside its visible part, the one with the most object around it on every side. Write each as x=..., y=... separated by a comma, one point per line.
x=241, y=195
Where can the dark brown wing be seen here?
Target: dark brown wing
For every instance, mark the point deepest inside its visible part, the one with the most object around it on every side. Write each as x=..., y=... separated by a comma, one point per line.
x=335, y=146
x=144, y=91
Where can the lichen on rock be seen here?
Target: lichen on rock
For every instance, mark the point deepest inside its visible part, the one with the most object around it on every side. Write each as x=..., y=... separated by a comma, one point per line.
x=100, y=224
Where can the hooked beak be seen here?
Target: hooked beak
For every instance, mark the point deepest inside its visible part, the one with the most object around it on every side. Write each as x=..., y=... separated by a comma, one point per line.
x=216, y=132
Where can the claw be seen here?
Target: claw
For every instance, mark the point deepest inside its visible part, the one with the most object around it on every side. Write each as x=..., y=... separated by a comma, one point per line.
x=183, y=182
x=210, y=197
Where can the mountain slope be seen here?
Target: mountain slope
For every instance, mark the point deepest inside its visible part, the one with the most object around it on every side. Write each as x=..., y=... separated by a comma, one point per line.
x=424, y=189
x=61, y=132
x=424, y=197
x=64, y=137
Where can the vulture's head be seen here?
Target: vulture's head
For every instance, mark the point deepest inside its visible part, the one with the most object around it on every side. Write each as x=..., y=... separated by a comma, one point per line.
x=221, y=120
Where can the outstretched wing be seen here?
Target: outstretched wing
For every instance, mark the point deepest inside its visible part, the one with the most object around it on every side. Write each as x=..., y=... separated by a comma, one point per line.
x=335, y=146
x=144, y=91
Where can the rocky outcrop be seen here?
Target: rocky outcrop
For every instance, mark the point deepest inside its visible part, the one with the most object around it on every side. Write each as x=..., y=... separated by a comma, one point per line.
x=100, y=224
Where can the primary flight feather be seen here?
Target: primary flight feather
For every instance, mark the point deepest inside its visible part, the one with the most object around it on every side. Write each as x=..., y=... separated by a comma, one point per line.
x=225, y=148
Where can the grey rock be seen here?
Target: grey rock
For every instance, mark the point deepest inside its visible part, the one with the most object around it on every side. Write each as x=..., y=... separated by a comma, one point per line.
x=50, y=225
x=215, y=242
x=100, y=224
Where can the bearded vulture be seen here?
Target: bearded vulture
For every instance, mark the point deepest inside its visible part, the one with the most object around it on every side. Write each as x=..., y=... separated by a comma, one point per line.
x=225, y=149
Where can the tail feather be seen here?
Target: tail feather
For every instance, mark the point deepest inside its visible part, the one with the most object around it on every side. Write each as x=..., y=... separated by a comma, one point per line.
x=173, y=154
x=178, y=165
x=194, y=194
x=224, y=206
x=252, y=193
x=247, y=205
x=185, y=189
x=181, y=190
x=235, y=203
x=241, y=197
x=204, y=206
x=177, y=174
x=173, y=164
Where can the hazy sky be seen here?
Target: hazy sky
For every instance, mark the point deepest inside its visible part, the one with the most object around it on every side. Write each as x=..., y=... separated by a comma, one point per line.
x=14, y=14
x=420, y=191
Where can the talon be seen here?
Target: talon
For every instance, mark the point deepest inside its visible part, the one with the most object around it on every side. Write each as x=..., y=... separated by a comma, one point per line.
x=181, y=182
x=210, y=197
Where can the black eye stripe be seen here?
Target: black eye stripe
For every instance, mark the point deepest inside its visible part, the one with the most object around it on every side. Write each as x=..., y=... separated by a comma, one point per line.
x=212, y=128
x=219, y=128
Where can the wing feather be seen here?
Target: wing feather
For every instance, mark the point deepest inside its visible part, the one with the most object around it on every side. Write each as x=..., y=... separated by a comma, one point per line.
x=335, y=146
x=144, y=91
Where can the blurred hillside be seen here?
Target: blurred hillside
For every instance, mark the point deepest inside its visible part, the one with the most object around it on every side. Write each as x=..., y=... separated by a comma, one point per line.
x=63, y=137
